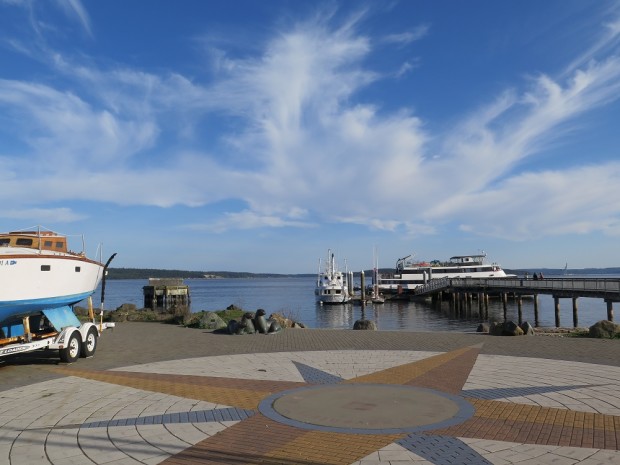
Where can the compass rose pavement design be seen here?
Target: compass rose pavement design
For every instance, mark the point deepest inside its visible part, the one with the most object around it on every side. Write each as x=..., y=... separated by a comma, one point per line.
x=320, y=407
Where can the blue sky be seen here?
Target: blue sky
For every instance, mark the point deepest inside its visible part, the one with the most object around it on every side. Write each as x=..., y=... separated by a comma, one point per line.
x=253, y=136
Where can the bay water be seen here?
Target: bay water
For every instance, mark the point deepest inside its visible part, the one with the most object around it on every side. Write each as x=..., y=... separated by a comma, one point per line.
x=294, y=298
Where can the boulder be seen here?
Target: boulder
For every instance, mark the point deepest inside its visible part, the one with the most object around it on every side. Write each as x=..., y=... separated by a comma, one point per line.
x=365, y=324
x=496, y=329
x=507, y=328
x=604, y=329
x=211, y=320
x=527, y=328
x=285, y=322
x=483, y=328
x=282, y=320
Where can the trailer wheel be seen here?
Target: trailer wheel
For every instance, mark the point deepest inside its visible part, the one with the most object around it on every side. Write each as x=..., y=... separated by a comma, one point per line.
x=71, y=353
x=90, y=343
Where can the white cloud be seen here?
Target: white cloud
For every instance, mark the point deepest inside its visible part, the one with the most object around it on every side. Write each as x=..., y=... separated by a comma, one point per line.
x=75, y=8
x=404, y=38
x=297, y=143
x=405, y=68
x=492, y=143
x=575, y=201
x=607, y=41
x=248, y=220
x=63, y=130
x=43, y=215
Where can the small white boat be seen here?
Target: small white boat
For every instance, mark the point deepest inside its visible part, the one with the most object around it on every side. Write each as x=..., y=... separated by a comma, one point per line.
x=40, y=275
x=410, y=274
x=332, y=285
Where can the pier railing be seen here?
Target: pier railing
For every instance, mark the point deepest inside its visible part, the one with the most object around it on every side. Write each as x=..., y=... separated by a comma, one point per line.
x=607, y=288
x=432, y=286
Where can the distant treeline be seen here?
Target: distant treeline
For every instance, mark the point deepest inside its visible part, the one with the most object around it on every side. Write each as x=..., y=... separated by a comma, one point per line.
x=145, y=273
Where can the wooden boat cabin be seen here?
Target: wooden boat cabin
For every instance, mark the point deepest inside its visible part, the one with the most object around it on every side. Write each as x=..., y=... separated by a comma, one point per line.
x=39, y=240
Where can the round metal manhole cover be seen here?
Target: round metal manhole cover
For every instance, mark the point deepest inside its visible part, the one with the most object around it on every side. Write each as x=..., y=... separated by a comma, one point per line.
x=366, y=408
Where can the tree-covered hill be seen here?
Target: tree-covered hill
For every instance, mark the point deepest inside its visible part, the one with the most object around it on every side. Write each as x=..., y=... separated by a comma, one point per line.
x=145, y=273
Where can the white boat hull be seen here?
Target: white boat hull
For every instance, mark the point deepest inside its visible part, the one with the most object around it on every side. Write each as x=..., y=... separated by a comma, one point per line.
x=31, y=283
x=333, y=298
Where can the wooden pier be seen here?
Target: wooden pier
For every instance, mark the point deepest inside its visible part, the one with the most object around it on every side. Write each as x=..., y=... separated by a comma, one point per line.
x=462, y=291
x=166, y=293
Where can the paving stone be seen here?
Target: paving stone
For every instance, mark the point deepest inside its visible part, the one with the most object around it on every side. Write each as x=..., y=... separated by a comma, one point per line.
x=89, y=419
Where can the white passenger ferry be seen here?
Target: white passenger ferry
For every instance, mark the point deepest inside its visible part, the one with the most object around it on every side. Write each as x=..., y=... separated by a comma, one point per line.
x=410, y=274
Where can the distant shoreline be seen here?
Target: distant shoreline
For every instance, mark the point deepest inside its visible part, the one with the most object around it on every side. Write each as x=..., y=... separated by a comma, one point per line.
x=146, y=273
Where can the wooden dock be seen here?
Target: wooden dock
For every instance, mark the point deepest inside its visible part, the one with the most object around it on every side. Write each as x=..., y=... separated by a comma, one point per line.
x=166, y=293
x=462, y=290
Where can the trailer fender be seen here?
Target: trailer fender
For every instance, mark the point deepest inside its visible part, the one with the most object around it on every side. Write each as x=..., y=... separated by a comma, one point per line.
x=63, y=338
x=84, y=328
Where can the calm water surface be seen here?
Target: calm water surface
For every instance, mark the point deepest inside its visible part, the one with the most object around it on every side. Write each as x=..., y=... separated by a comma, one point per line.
x=294, y=297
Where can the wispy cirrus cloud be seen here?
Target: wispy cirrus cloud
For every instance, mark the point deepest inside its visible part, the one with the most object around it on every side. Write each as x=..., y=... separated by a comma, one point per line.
x=248, y=219
x=405, y=38
x=74, y=8
x=46, y=215
x=297, y=138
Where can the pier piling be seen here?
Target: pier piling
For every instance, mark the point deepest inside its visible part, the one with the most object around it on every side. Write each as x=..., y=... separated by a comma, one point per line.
x=575, y=315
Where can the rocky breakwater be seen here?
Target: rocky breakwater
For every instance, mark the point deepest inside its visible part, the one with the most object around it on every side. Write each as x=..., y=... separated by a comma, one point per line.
x=603, y=329
x=219, y=320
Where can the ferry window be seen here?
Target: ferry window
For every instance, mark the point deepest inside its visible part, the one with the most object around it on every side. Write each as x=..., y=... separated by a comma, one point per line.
x=23, y=241
x=78, y=269
x=5, y=241
x=59, y=245
x=48, y=244
x=46, y=267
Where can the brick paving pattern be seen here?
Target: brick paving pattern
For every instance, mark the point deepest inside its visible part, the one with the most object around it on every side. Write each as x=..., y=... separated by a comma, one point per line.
x=162, y=394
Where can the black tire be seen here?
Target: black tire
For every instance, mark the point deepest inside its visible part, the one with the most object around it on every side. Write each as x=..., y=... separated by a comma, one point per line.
x=71, y=353
x=90, y=343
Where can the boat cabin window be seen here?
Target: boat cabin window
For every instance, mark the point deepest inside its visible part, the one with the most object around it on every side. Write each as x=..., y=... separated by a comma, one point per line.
x=60, y=245
x=47, y=244
x=46, y=267
x=5, y=241
x=23, y=241
x=78, y=269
